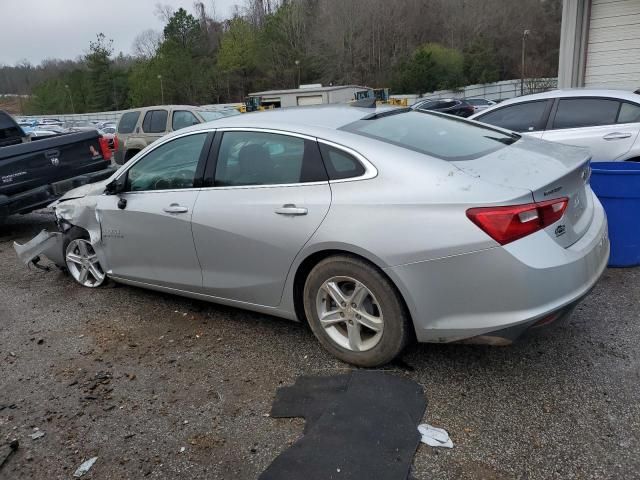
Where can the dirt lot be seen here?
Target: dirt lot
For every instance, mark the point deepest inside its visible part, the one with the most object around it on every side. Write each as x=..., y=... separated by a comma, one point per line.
x=133, y=376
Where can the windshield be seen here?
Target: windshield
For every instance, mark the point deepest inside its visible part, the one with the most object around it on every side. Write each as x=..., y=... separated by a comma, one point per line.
x=210, y=115
x=440, y=136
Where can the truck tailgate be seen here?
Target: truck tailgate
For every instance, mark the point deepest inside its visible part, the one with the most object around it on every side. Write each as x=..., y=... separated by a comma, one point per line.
x=30, y=165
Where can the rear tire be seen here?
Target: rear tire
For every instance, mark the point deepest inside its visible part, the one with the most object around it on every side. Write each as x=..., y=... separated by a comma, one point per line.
x=355, y=312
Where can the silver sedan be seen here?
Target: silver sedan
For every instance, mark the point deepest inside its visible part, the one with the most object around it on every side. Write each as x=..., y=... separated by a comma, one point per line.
x=375, y=226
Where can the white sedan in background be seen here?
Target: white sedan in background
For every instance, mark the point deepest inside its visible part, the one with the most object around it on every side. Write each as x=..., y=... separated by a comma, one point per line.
x=605, y=121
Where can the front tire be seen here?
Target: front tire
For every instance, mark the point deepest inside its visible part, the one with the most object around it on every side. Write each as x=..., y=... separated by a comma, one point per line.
x=355, y=312
x=81, y=259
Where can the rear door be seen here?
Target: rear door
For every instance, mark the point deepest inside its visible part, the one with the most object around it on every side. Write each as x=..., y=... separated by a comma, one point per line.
x=154, y=125
x=529, y=118
x=607, y=126
x=267, y=193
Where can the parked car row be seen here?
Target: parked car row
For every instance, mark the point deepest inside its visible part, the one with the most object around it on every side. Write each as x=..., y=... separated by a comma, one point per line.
x=373, y=225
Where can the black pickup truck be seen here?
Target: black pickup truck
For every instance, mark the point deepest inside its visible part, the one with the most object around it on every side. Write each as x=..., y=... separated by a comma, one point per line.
x=36, y=173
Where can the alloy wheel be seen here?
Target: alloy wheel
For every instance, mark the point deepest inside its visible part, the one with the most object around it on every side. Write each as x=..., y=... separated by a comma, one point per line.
x=349, y=313
x=82, y=262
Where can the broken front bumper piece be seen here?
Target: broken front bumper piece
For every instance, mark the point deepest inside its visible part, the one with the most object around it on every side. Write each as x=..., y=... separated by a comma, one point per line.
x=49, y=244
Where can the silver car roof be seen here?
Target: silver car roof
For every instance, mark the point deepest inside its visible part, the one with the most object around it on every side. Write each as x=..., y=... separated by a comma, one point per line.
x=312, y=120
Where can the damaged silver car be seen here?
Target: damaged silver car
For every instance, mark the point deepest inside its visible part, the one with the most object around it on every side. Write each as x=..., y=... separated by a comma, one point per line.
x=375, y=226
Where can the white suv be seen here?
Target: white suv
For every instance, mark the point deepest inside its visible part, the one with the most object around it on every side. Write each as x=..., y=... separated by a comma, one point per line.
x=605, y=121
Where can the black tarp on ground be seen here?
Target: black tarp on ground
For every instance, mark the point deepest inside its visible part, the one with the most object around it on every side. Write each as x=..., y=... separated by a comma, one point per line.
x=362, y=425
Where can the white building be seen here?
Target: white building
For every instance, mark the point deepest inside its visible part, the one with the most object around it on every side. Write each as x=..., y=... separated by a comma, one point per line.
x=600, y=44
x=309, y=95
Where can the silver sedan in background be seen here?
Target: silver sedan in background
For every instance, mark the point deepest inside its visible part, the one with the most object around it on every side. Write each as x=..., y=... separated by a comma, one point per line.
x=375, y=226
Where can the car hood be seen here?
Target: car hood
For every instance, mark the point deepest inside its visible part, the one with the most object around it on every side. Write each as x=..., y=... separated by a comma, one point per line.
x=90, y=189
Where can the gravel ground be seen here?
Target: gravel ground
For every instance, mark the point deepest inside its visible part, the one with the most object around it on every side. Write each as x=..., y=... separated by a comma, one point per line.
x=133, y=377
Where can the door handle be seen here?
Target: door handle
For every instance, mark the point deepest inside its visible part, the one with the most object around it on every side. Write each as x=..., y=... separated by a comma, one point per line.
x=617, y=136
x=175, y=208
x=291, y=209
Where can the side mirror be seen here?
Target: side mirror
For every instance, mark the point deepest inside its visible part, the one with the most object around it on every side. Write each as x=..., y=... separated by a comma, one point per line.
x=116, y=186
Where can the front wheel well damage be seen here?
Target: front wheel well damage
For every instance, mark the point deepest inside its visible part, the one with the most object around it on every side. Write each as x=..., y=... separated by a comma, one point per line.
x=304, y=269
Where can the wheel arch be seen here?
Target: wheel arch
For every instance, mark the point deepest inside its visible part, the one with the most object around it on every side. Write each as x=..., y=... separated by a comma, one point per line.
x=311, y=259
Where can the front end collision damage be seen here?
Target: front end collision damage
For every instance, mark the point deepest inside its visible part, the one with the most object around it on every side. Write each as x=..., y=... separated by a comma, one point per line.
x=70, y=211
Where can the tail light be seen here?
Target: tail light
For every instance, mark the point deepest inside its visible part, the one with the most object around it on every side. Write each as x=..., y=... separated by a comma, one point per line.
x=104, y=148
x=510, y=223
x=115, y=143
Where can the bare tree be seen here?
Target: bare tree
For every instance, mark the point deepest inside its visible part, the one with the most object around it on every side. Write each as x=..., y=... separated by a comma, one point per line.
x=146, y=43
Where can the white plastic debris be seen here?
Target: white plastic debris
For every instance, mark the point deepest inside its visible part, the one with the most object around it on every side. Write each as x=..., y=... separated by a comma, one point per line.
x=182, y=449
x=37, y=434
x=84, y=468
x=434, y=436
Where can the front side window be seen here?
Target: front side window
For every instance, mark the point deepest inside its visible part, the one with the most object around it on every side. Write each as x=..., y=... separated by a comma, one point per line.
x=182, y=119
x=522, y=117
x=258, y=158
x=171, y=166
x=585, y=112
x=128, y=122
x=155, y=121
x=436, y=135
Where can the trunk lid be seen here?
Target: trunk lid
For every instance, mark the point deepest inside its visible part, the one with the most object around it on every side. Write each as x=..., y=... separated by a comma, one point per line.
x=549, y=171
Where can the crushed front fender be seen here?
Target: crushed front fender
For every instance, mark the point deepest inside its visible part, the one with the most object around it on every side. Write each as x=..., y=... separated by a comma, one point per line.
x=49, y=244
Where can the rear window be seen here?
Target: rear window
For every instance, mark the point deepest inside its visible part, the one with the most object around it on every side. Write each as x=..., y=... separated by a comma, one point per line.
x=128, y=122
x=441, y=137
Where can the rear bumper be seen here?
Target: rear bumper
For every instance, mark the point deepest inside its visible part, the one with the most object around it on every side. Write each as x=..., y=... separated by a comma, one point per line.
x=25, y=202
x=502, y=291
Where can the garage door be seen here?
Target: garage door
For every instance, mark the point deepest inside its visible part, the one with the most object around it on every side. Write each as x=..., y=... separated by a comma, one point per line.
x=313, y=99
x=614, y=43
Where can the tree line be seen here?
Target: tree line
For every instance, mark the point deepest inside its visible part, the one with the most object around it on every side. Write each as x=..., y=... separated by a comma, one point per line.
x=410, y=46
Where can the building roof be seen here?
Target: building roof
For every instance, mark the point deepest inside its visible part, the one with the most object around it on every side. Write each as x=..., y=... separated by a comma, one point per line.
x=267, y=93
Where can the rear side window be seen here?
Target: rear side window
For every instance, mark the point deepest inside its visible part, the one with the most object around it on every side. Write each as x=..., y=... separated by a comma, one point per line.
x=523, y=117
x=340, y=164
x=629, y=113
x=128, y=122
x=436, y=135
x=258, y=158
x=585, y=112
x=155, y=121
x=182, y=119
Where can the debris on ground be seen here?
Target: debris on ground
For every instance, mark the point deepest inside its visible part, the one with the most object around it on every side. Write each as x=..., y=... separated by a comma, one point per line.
x=434, y=436
x=85, y=467
x=7, y=450
x=37, y=434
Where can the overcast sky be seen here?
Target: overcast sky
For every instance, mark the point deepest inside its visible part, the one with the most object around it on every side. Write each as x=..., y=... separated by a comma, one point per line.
x=39, y=29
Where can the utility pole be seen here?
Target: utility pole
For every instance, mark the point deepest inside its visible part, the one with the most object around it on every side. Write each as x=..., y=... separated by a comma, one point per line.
x=161, y=88
x=525, y=34
x=73, y=110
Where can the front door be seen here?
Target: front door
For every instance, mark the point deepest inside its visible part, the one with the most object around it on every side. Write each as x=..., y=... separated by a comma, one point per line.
x=146, y=230
x=268, y=195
